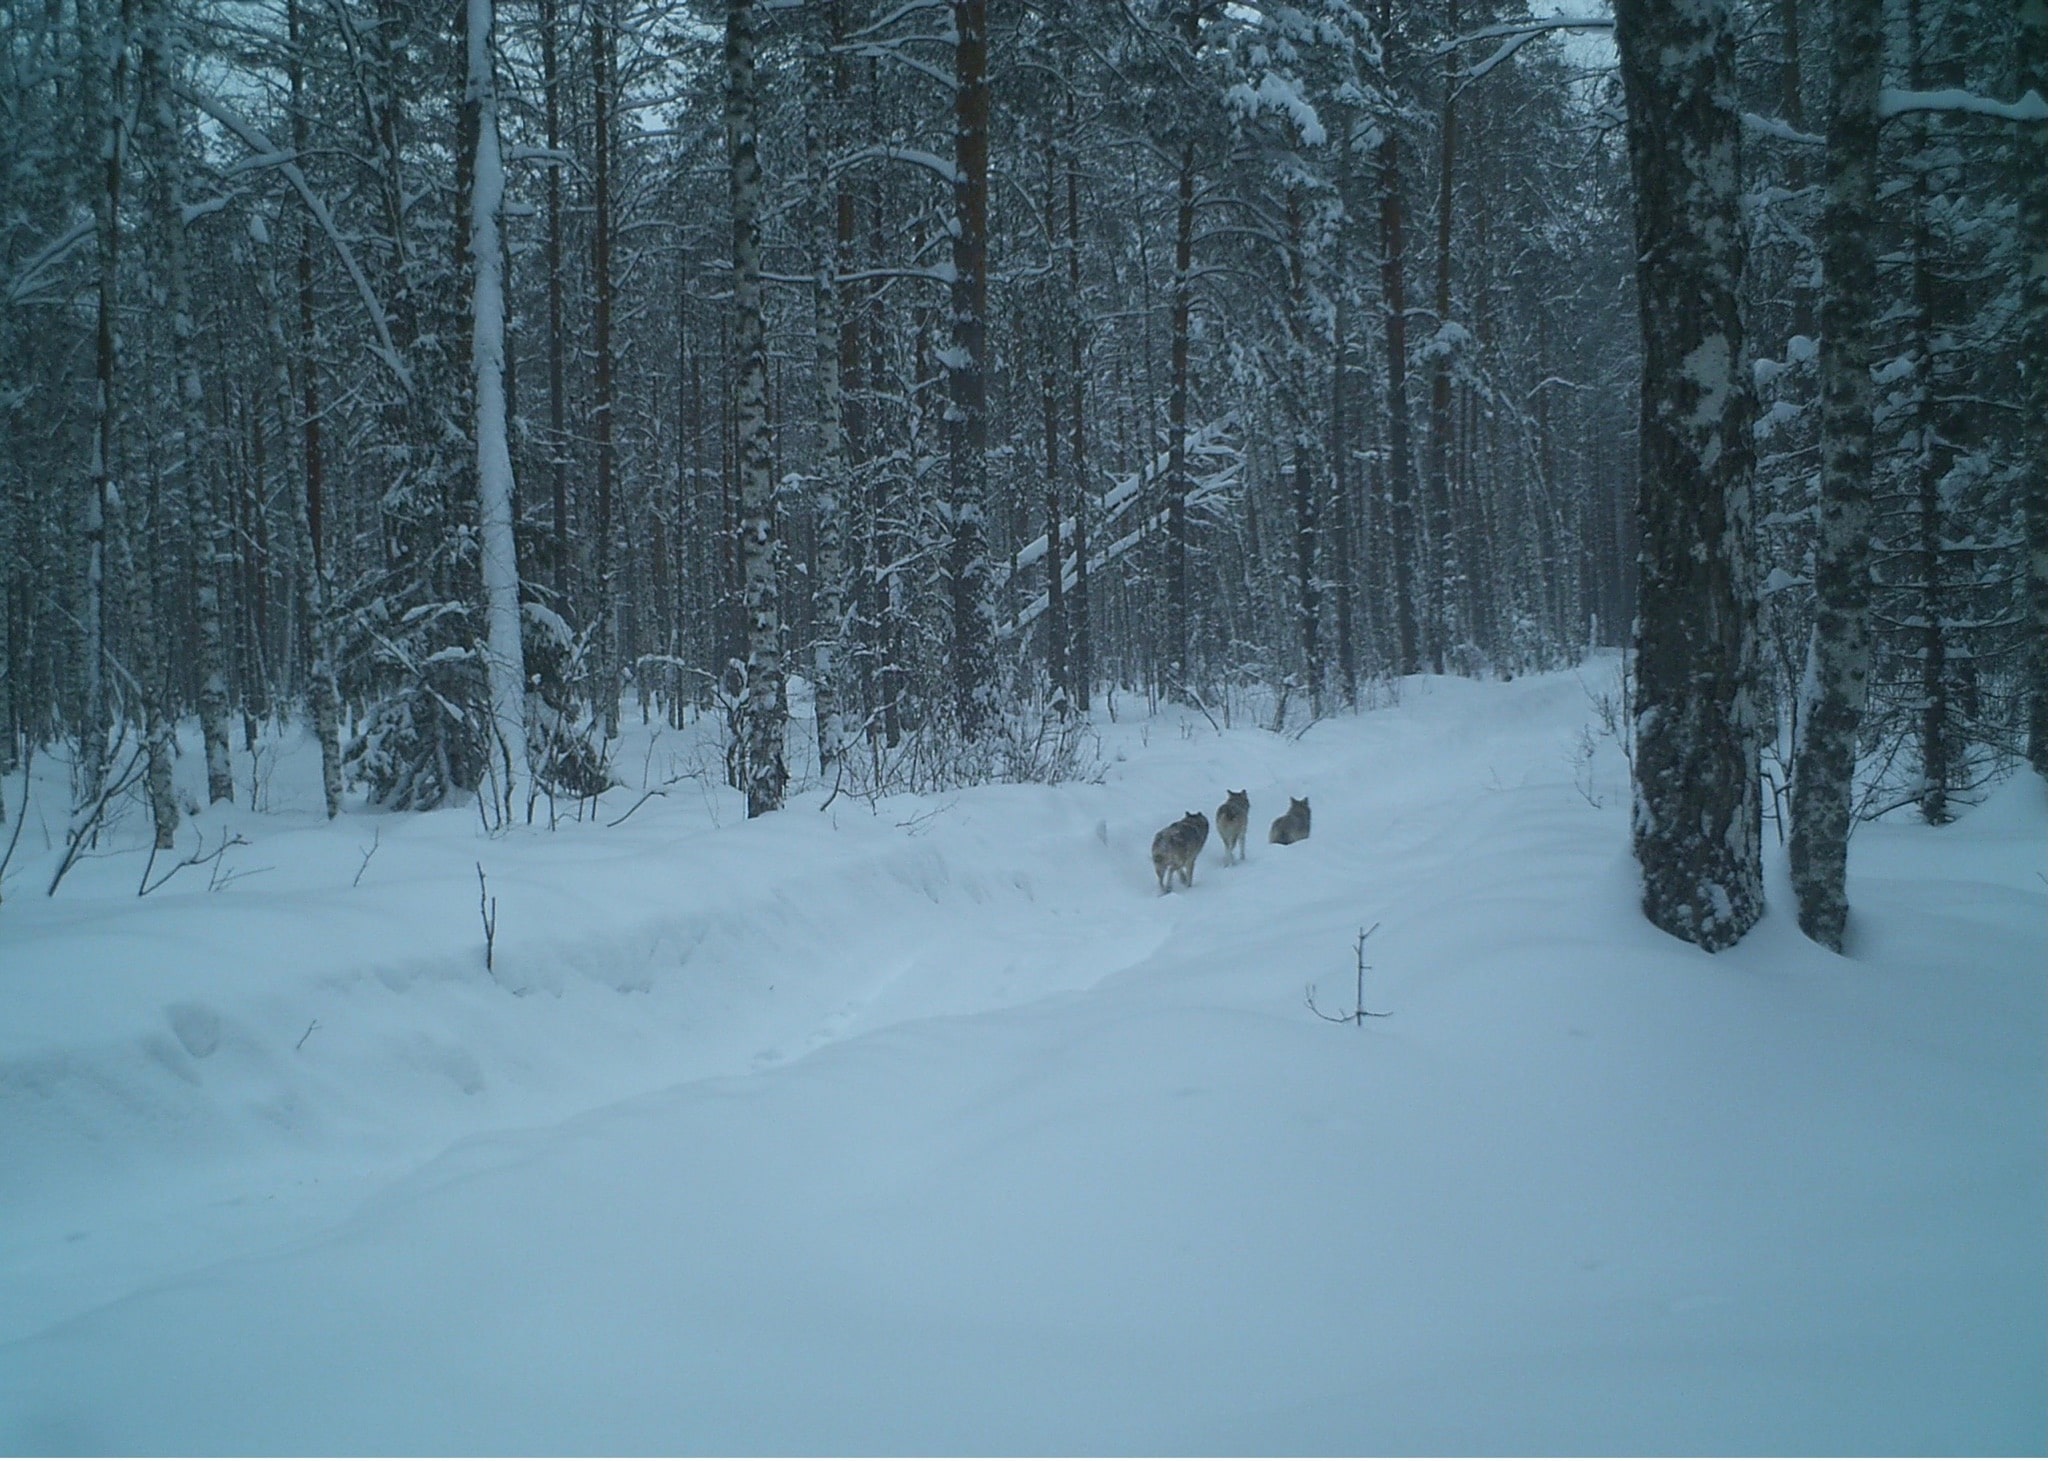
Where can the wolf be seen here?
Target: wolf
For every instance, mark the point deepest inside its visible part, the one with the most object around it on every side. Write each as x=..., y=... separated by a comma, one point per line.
x=1175, y=848
x=1292, y=825
x=1231, y=819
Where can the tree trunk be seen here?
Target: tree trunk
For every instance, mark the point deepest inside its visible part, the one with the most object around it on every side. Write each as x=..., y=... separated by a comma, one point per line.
x=1443, y=563
x=2033, y=150
x=190, y=458
x=966, y=373
x=764, y=775
x=309, y=512
x=1838, y=660
x=1177, y=433
x=103, y=504
x=1697, y=816
x=1400, y=455
x=1083, y=667
x=834, y=495
x=603, y=61
x=504, y=658
x=558, y=432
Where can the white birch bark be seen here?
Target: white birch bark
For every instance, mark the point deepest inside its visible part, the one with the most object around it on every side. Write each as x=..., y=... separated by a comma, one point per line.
x=504, y=658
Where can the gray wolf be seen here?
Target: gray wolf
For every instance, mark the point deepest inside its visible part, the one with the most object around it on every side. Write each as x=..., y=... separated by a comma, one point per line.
x=1231, y=819
x=1291, y=825
x=1175, y=848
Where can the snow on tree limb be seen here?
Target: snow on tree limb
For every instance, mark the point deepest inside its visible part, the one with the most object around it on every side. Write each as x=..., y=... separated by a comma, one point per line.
x=253, y=138
x=1896, y=102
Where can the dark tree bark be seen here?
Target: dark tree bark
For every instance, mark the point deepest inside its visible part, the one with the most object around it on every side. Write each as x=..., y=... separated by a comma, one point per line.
x=833, y=499
x=1177, y=432
x=558, y=433
x=1838, y=660
x=1443, y=561
x=1400, y=454
x=603, y=415
x=1083, y=668
x=1697, y=816
x=764, y=775
x=2033, y=76
x=967, y=379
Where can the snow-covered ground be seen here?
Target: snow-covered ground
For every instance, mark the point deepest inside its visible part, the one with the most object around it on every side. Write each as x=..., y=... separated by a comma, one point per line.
x=932, y=1127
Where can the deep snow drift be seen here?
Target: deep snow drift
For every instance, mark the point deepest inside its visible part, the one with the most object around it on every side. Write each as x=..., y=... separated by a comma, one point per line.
x=932, y=1126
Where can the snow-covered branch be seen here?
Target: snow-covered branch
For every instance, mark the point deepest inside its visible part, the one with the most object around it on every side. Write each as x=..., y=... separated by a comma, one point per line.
x=1894, y=102
x=252, y=137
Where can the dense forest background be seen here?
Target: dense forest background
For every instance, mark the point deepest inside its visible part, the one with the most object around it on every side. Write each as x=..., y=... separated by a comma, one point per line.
x=969, y=361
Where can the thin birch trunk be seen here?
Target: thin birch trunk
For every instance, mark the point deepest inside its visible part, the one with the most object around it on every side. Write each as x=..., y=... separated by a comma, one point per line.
x=504, y=658
x=1838, y=658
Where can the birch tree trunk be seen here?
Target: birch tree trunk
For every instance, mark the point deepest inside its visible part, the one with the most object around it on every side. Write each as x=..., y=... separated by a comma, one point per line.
x=504, y=658
x=103, y=502
x=1838, y=659
x=1697, y=815
x=763, y=773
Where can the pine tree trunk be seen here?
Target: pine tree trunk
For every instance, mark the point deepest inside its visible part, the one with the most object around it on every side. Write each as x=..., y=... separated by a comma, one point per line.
x=603, y=61
x=1177, y=433
x=1083, y=668
x=763, y=773
x=1838, y=660
x=966, y=374
x=834, y=494
x=1935, y=455
x=2033, y=150
x=310, y=511
x=1342, y=532
x=504, y=659
x=558, y=432
x=1443, y=563
x=1400, y=455
x=1697, y=815
x=189, y=457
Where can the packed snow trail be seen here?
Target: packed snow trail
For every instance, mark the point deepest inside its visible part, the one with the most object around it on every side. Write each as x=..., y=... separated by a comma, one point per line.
x=940, y=1129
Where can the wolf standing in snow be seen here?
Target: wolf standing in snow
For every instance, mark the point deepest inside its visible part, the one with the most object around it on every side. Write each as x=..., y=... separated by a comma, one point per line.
x=1291, y=825
x=1175, y=848
x=1231, y=818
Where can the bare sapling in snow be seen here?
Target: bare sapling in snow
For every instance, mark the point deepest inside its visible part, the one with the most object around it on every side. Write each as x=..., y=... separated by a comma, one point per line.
x=1358, y=1014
